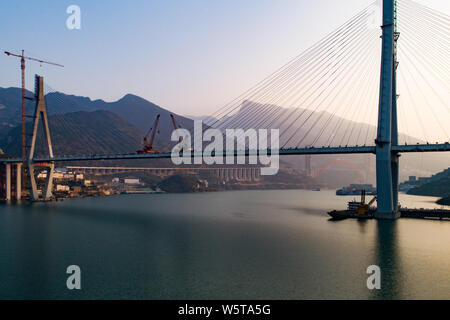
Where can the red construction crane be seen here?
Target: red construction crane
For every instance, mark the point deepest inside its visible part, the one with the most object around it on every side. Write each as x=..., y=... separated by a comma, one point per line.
x=175, y=126
x=22, y=66
x=148, y=145
x=174, y=123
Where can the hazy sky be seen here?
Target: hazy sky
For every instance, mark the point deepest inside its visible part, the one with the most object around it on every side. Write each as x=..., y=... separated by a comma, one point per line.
x=188, y=56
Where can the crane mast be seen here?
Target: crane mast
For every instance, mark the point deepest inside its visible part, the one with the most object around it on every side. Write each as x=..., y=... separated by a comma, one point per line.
x=155, y=128
x=175, y=126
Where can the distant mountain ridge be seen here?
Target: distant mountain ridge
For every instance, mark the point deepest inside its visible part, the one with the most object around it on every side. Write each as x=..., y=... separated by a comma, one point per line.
x=80, y=125
x=134, y=109
x=142, y=113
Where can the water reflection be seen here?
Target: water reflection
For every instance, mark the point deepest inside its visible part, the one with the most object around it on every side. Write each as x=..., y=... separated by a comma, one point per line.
x=246, y=245
x=362, y=226
x=387, y=257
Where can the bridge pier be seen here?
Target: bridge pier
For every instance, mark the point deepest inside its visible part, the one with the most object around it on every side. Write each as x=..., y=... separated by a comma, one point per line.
x=387, y=193
x=8, y=182
x=11, y=181
x=18, y=181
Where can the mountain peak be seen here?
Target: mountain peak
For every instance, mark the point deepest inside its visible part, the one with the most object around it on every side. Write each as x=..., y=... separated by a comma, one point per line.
x=131, y=98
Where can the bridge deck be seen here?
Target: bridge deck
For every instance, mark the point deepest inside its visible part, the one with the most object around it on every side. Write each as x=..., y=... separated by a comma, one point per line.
x=297, y=151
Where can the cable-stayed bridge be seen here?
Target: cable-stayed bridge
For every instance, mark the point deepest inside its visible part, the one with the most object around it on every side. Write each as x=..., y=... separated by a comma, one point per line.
x=395, y=81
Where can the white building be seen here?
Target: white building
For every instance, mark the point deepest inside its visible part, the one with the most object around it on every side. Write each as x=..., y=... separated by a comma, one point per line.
x=132, y=181
x=58, y=175
x=42, y=175
x=60, y=187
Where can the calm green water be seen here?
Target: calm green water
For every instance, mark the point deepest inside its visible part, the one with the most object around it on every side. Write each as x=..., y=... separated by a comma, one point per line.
x=229, y=245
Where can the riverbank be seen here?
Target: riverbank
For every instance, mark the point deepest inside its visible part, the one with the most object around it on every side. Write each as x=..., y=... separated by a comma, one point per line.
x=436, y=186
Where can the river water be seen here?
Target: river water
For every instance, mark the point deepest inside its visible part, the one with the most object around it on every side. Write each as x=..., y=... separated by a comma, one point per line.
x=226, y=245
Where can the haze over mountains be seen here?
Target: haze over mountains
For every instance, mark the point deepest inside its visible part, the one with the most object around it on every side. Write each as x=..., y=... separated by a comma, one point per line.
x=299, y=127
